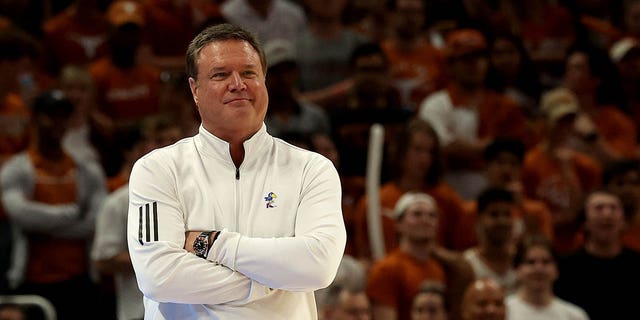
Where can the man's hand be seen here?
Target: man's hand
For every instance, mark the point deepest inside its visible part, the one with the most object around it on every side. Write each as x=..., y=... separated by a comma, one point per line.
x=189, y=239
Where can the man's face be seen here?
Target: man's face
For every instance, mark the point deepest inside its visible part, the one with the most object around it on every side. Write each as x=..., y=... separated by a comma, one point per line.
x=604, y=217
x=419, y=157
x=428, y=306
x=370, y=74
x=51, y=128
x=409, y=16
x=281, y=82
x=496, y=222
x=352, y=306
x=505, y=57
x=484, y=301
x=470, y=69
x=538, y=270
x=419, y=222
x=577, y=76
x=503, y=170
x=230, y=89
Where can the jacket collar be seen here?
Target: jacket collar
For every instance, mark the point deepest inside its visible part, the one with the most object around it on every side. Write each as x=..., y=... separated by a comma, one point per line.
x=213, y=146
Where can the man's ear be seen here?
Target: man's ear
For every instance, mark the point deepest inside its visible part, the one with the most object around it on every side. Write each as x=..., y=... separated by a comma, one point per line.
x=194, y=89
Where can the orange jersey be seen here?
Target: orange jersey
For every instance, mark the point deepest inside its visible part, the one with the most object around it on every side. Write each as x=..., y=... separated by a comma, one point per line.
x=76, y=40
x=54, y=259
x=14, y=120
x=543, y=180
x=396, y=279
x=449, y=203
x=126, y=94
x=416, y=73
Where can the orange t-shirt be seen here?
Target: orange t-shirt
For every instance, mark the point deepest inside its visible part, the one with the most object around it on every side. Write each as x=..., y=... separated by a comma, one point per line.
x=543, y=180
x=54, y=259
x=394, y=280
x=126, y=94
x=448, y=201
x=73, y=40
x=416, y=73
x=14, y=120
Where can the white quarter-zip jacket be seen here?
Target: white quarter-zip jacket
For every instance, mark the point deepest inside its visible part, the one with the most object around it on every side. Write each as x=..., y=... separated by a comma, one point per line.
x=283, y=235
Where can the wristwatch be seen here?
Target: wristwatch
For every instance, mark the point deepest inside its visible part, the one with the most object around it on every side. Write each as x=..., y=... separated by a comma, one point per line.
x=201, y=244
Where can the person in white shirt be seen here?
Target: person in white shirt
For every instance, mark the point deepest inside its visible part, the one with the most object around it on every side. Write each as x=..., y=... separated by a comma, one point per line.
x=267, y=19
x=492, y=257
x=263, y=217
x=109, y=253
x=537, y=270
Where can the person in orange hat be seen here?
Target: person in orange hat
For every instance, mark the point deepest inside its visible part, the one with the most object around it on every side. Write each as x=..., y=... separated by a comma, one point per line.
x=467, y=115
x=127, y=89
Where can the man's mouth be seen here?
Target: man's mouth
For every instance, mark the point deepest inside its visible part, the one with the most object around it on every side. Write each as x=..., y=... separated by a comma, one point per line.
x=236, y=100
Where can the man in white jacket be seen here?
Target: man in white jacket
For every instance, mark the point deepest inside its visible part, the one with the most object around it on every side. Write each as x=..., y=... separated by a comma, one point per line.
x=262, y=217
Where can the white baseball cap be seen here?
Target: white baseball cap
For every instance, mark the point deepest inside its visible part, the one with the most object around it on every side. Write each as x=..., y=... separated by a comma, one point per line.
x=410, y=198
x=278, y=51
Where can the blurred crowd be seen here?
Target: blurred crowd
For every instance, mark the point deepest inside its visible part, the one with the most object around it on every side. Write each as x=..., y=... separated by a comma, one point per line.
x=510, y=170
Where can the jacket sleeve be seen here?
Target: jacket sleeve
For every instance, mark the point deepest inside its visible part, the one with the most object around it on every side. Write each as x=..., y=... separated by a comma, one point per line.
x=16, y=181
x=165, y=271
x=309, y=260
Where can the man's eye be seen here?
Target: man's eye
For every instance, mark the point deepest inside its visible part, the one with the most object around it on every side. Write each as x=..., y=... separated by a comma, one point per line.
x=249, y=73
x=219, y=75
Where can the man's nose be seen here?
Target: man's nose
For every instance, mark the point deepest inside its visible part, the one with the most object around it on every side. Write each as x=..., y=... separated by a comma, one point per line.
x=237, y=83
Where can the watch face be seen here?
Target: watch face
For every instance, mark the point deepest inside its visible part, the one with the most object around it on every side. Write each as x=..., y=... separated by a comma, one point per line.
x=200, y=247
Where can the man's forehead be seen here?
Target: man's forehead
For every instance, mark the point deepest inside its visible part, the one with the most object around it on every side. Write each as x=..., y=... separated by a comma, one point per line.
x=222, y=46
x=601, y=196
